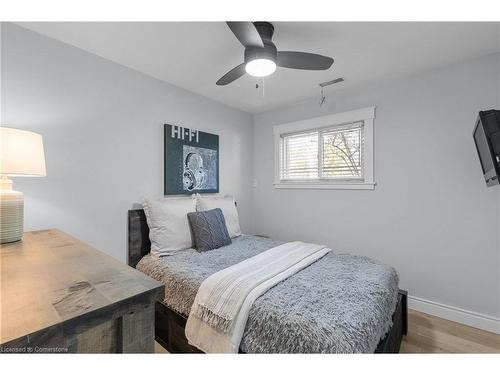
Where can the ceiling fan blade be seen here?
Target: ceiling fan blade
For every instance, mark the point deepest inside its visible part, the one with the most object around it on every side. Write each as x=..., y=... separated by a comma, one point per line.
x=246, y=33
x=303, y=60
x=232, y=75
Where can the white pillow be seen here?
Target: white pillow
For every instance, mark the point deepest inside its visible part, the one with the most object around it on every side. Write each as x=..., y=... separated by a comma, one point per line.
x=228, y=207
x=168, y=224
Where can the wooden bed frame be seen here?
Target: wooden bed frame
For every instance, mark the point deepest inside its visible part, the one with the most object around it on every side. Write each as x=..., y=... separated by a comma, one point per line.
x=170, y=325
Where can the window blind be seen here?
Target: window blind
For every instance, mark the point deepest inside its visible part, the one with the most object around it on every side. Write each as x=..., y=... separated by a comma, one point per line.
x=330, y=153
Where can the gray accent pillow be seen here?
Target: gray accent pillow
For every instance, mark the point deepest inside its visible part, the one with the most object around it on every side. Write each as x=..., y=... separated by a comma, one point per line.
x=208, y=229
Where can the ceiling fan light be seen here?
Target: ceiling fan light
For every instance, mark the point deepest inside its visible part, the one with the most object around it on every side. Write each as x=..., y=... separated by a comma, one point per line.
x=260, y=67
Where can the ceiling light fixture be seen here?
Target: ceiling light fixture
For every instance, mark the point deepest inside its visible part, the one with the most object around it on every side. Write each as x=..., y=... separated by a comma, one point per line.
x=260, y=62
x=260, y=67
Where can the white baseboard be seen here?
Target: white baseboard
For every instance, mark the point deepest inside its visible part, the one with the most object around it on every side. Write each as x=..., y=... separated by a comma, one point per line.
x=456, y=314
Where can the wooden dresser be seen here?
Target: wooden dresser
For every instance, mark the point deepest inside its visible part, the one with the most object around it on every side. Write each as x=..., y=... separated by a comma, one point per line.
x=60, y=295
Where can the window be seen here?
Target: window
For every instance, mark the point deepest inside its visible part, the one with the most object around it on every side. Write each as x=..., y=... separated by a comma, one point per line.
x=334, y=151
x=331, y=153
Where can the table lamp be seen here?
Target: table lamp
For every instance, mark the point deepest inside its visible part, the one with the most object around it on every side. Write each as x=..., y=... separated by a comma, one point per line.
x=21, y=154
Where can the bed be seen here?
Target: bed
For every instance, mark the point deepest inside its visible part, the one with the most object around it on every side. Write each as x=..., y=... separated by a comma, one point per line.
x=371, y=319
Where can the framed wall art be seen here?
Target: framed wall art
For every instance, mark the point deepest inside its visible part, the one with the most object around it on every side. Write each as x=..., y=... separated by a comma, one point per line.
x=191, y=162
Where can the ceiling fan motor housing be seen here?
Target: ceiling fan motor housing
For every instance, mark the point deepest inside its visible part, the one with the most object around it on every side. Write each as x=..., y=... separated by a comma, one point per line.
x=269, y=52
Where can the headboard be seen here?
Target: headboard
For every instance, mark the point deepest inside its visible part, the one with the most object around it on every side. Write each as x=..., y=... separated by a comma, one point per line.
x=138, y=236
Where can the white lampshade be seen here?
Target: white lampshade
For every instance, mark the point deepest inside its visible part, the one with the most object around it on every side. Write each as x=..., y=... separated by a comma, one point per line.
x=21, y=153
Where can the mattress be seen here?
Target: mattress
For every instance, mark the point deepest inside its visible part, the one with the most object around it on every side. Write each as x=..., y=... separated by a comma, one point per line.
x=342, y=303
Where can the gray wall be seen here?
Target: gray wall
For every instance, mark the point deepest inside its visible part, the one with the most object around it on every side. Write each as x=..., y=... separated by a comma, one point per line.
x=431, y=215
x=102, y=125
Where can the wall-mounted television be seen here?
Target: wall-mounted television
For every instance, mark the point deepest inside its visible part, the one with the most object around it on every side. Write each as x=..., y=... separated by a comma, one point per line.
x=487, y=139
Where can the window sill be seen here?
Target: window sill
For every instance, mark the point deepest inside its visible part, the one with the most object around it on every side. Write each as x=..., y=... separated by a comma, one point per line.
x=326, y=186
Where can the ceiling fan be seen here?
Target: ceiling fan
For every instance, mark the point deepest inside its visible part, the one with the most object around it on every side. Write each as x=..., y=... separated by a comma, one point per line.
x=261, y=56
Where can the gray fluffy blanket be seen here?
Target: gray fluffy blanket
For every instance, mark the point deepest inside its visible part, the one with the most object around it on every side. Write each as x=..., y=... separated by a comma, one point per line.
x=340, y=304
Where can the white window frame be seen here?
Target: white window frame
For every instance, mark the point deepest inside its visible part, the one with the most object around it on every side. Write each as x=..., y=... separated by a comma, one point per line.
x=366, y=115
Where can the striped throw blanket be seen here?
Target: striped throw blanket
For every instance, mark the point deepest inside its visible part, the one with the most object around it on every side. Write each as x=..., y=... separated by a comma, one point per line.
x=221, y=307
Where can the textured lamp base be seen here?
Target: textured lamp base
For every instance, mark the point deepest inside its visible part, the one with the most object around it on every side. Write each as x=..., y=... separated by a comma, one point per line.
x=11, y=215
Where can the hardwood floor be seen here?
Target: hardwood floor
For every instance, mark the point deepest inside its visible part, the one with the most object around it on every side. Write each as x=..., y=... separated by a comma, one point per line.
x=430, y=334
x=160, y=349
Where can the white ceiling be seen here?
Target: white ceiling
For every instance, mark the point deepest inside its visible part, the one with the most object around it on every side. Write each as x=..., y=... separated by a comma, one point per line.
x=193, y=55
